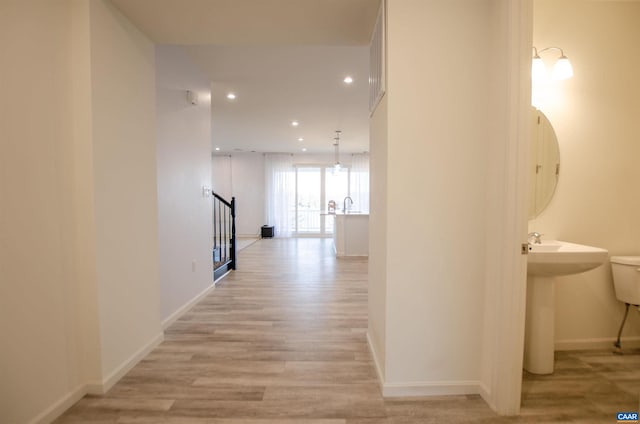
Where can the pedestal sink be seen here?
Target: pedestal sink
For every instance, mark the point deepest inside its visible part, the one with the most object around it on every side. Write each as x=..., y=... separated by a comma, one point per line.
x=545, y=262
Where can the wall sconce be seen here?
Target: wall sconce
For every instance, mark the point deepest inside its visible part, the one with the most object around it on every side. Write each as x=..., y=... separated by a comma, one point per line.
x=561, y=70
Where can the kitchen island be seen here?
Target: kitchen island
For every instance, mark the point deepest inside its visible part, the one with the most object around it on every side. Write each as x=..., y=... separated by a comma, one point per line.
x=351, y=234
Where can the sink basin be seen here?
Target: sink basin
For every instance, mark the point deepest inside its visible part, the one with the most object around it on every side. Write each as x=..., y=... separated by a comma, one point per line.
x=545, y=262
x=554, y=258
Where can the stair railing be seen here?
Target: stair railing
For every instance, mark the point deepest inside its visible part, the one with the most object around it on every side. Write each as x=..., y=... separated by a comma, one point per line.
x=224, y=235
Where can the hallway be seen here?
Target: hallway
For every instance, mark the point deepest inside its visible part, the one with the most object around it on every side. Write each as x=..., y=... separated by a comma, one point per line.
x=283, y=340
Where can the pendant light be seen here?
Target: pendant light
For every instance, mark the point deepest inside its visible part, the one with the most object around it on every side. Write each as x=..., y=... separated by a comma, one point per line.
x=336, y=146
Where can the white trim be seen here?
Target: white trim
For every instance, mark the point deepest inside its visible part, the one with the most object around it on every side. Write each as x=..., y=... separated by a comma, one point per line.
x=99, y=388
x=376, y=361
x=504, y=388
x=597, y=343
x=220, y=279
x=485, y=392
x=430, y=388
x=59, y=407
x=378, y=59
x=94, y=387
x=185, y=308
x=423, y=388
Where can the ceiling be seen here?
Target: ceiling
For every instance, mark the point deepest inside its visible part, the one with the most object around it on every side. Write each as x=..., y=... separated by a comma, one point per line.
x=284, y=59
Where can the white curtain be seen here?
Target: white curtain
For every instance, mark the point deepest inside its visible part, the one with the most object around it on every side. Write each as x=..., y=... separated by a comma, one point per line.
x=280, y=193
x=360, y=182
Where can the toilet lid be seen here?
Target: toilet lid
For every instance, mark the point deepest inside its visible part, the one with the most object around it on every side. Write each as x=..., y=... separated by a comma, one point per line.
x=626, y=260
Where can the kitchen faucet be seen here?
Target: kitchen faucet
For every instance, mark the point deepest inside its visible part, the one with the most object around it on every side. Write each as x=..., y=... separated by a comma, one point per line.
x=344, y=204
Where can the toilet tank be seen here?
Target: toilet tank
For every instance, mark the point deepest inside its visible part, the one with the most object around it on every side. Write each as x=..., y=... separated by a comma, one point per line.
x=626, y=278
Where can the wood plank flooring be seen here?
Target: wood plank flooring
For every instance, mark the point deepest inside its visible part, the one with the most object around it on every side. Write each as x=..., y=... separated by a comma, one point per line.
x=282, y=340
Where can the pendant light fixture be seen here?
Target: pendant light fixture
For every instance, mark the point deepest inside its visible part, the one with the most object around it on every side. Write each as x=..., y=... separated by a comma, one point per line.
x=336, y=146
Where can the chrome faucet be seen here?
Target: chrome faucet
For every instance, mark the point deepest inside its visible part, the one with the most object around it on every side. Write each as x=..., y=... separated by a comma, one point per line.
x=535, y=236
x=344, y=204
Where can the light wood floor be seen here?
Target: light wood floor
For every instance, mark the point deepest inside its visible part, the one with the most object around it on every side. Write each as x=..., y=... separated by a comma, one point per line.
x=282, y=340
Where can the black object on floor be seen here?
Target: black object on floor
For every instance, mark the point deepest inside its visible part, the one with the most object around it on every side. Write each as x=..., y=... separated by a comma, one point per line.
x=267, y=231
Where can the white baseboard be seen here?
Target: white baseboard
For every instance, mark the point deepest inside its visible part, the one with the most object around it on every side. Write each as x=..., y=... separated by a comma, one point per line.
x=430, y=388
x=95, y=387
x=376, y=361
x=100, y=388
x=58, y=408
x=596, y=344
x=184, y=308
x=485, y=393
x=423, y=388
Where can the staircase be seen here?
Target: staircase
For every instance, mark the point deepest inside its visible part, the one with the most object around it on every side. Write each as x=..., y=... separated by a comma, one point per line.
x=224, y=236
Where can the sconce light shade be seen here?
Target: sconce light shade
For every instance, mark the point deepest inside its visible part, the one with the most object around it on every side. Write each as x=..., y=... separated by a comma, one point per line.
x=562, y=70
x=538, y=70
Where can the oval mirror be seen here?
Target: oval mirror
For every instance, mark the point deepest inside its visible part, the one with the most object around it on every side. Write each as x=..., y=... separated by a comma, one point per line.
x=544, y=166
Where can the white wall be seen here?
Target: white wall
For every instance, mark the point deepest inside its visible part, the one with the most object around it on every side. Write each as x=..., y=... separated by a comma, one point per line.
x=79, y=256
x=247, y=176
x=378, y=275
x=40, y=362
x=184, y=167
x=447, y=106
x=221, y=175
x=595, y=116
x=124, y=160
x=434, y=144
x=241, y=175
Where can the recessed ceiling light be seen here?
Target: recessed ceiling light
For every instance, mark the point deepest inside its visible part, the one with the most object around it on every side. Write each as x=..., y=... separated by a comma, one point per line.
x=231, y=96
x=348, y=80
x=304, y=149
x=217, y=149
x=300, y=139
x=295, y=123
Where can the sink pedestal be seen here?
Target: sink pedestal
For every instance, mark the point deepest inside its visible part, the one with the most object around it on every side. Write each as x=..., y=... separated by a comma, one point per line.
x=547, y=261
x=539, y=325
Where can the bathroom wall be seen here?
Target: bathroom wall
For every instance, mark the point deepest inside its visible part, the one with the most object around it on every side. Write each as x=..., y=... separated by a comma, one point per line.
x=595, y=116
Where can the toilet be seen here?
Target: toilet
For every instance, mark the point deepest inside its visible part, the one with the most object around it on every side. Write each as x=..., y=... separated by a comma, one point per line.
x=626, y=278
x=626, y=283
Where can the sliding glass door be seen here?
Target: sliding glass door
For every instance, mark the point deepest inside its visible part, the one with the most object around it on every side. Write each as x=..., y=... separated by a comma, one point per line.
x=308, y=200
x=315, y=187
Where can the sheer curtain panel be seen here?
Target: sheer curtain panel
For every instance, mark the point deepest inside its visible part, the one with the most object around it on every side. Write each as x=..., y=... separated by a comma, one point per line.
x=280, y=193
x=360, y=182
